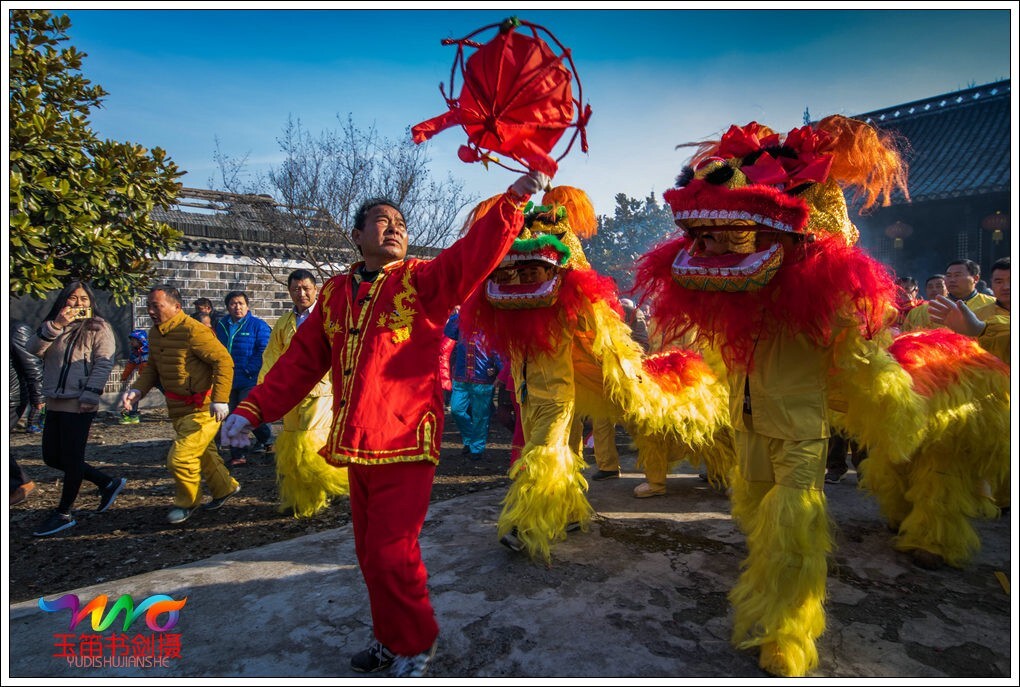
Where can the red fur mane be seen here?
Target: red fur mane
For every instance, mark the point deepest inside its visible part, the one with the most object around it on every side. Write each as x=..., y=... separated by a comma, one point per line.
x=806, y=296
x=539, y=329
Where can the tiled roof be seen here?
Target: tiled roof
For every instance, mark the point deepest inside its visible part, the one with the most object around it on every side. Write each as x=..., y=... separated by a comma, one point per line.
x=255, y=232
x=959, y=143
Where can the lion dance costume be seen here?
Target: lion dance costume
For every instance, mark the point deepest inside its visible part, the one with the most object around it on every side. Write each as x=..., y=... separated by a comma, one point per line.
x=572, y=355
x=304, y=480
x=766, y=273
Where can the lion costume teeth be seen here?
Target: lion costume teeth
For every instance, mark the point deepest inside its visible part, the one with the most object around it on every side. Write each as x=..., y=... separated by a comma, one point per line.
x=530, y=247
x=752, y=272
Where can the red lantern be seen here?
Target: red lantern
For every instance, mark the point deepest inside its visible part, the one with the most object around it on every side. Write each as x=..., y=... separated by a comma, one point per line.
x=516, y=98
x=898, y=231
x=996, y=224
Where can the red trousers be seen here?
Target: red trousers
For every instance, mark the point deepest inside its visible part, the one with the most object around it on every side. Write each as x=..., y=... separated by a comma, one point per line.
x=388, y=507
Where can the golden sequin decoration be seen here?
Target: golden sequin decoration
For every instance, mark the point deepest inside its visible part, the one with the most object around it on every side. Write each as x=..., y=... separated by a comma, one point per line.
x=400, y=319
x=828, y=212
x=567, y=237
x=330, y=325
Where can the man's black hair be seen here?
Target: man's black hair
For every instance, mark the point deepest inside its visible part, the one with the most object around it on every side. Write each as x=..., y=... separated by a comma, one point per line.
x=171, y=292
x=973, y=269
x=362, y=213
x=235, y=294
x=300, y=275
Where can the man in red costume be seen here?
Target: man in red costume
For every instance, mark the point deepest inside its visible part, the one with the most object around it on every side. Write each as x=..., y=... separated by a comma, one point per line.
x=372, y=329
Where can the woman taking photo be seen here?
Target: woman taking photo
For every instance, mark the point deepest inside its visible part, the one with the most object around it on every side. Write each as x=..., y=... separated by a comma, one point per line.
x=77, y=348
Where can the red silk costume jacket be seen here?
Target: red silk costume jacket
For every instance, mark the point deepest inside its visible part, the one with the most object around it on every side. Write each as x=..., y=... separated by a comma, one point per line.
x=381, y=349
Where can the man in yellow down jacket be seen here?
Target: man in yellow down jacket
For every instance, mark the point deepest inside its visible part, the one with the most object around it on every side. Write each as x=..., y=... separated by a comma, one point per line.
x=303, y=477
x=194, y=371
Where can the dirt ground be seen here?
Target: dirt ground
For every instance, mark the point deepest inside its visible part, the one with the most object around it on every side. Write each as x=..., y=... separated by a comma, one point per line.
x=134, y=537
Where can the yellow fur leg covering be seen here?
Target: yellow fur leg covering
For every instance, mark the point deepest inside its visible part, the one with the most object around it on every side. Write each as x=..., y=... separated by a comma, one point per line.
x=778, y=600
x=944, y=496
x=887, y=483
x=304, y=479
x=933, y=497
x=720, y=459
x=547, y=494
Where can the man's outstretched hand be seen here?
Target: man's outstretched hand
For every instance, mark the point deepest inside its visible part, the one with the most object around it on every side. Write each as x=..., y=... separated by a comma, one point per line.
x=234, y=432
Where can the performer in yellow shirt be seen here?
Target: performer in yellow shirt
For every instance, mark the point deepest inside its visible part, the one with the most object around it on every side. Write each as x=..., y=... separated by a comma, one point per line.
x=961, y=283
x=306, y=482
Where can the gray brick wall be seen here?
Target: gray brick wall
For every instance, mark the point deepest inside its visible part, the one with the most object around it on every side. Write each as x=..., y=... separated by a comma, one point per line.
x=212, y=276
x=197, y=275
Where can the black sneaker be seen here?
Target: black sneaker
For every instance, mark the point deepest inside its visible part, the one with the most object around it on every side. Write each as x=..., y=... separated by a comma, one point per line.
x=108, y=495
x=215, y=504
x=833, y=477
x=600, y=475
x=511, y=541
x=373, y=659
x=56, y=522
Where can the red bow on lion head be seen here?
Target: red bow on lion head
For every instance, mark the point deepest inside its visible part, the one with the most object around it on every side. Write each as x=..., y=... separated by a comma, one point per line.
x=801, y=158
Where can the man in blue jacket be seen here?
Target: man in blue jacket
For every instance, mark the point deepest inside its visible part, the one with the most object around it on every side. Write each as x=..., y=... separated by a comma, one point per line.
x=246, y=337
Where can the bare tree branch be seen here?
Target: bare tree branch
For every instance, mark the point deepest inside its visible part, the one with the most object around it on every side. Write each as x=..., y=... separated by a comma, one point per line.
x=323, y=180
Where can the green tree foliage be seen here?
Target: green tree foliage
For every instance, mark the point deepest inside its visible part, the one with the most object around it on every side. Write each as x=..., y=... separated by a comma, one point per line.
x=79, y=206
x=635, y=226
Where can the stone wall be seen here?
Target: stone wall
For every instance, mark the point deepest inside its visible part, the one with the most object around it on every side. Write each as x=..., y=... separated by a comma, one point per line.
x=198, y=274
x=213, y=276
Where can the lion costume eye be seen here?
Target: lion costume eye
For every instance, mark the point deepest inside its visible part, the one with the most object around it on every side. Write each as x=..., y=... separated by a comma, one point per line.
x=725, y=241
x=714, y=170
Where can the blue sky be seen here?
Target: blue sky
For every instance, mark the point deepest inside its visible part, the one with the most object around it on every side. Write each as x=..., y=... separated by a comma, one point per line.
x=181, y=78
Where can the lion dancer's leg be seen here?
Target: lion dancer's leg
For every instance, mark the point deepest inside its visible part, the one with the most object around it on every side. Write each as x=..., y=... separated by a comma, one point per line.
x=779, y=504
x=887, y=482
x=548, y=489
x=306, y=482
x=607, y=455
x=653, y=460
x=945, y=495
x=576, y=439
